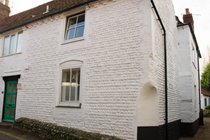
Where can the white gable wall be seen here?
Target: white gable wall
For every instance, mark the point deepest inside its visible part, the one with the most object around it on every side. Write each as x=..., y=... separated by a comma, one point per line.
x=187, y=80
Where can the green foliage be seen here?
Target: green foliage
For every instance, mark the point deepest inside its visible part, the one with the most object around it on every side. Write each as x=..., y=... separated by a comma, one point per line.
x=206, y=113
x=49, y=131
x=205, y=80
x=207, y=107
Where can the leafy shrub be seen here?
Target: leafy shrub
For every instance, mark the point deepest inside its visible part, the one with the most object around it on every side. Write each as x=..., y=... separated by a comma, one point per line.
x=206, y=113
x=205, y=80
x=49, y=131
x=207, y=107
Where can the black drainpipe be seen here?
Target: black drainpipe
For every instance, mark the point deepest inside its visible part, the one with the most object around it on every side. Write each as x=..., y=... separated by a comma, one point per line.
x=165, y=69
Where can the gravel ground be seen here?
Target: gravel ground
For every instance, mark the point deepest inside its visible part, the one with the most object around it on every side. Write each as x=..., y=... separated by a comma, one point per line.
x=203, y=132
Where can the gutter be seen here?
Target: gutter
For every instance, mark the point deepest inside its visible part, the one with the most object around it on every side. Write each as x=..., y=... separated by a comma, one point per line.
x=165, y=68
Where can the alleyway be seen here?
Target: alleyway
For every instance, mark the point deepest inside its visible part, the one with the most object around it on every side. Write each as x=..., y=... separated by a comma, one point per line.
x=9, y=134
x=203, y=132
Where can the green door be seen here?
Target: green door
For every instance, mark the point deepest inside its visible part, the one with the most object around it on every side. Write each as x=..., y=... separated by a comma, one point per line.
x=10, y=101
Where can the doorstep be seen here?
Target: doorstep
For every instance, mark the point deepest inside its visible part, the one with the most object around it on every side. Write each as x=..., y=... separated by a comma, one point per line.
x=6, y=125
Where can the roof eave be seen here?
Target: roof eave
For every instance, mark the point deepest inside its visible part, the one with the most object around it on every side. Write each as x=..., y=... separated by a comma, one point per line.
x=47, y=15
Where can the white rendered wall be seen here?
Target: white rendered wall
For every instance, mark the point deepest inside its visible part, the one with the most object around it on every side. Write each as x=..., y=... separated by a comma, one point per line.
x=203, y=98
x=187, y=79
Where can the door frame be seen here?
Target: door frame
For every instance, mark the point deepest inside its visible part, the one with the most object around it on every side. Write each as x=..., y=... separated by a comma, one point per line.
x=6, y=79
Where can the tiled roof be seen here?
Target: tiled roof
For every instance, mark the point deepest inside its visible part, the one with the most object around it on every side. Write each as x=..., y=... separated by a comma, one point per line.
x=205, y=92
x=26, y=17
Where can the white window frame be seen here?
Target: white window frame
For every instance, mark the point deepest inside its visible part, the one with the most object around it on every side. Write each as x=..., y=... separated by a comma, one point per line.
x=72, y=64
x=70, y=82
x=16, y=43
x=67, y=24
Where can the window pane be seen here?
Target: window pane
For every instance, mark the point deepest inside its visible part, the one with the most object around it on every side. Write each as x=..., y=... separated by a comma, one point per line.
x=19, y=42
x=66, y=76
x=6, y=45
x=65, y=85
x=12, y=45
x=75, y=27
x=73, y=93
x=81, y=20
x=65, y=93
x=75, y=84
x=79, y=31
x=72, y=23
x=205, y=101
x=78, y=92
x=70, y=33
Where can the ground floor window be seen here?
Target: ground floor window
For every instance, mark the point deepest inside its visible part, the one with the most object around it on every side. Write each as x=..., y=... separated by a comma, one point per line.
x=70, y=85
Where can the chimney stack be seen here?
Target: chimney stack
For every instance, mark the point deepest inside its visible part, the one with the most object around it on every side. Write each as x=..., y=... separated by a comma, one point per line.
x=188, y=18
x=4, y=9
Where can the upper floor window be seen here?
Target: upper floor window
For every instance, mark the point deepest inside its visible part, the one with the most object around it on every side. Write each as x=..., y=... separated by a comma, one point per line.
x=12, y=43
x=75, y=26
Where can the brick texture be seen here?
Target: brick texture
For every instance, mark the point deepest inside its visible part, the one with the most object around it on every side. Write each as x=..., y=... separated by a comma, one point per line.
x=122, y=53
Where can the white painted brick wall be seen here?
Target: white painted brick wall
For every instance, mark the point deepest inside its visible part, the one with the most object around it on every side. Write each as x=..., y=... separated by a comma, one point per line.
x=122, y=53
x=169, y=22
x=187, y=77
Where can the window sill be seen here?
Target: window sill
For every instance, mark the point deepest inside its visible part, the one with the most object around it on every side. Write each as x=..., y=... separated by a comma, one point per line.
x=72, y=40
x=69, y=105
x=10, y=55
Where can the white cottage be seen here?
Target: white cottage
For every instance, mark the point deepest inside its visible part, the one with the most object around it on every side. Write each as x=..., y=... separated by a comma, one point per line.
x=205, y=98
x=188, y=76
x=105, y=66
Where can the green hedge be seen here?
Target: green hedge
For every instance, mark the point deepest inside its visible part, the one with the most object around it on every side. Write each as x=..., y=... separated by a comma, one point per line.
x=206, y=112
x=49, y=131
x=207, y=107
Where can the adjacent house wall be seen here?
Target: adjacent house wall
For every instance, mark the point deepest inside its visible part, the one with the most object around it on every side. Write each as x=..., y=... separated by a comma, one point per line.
x=205, y=101
x=187, y=79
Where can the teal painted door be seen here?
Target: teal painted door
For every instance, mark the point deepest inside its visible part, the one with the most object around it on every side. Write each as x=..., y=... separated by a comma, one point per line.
x=10, y=101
